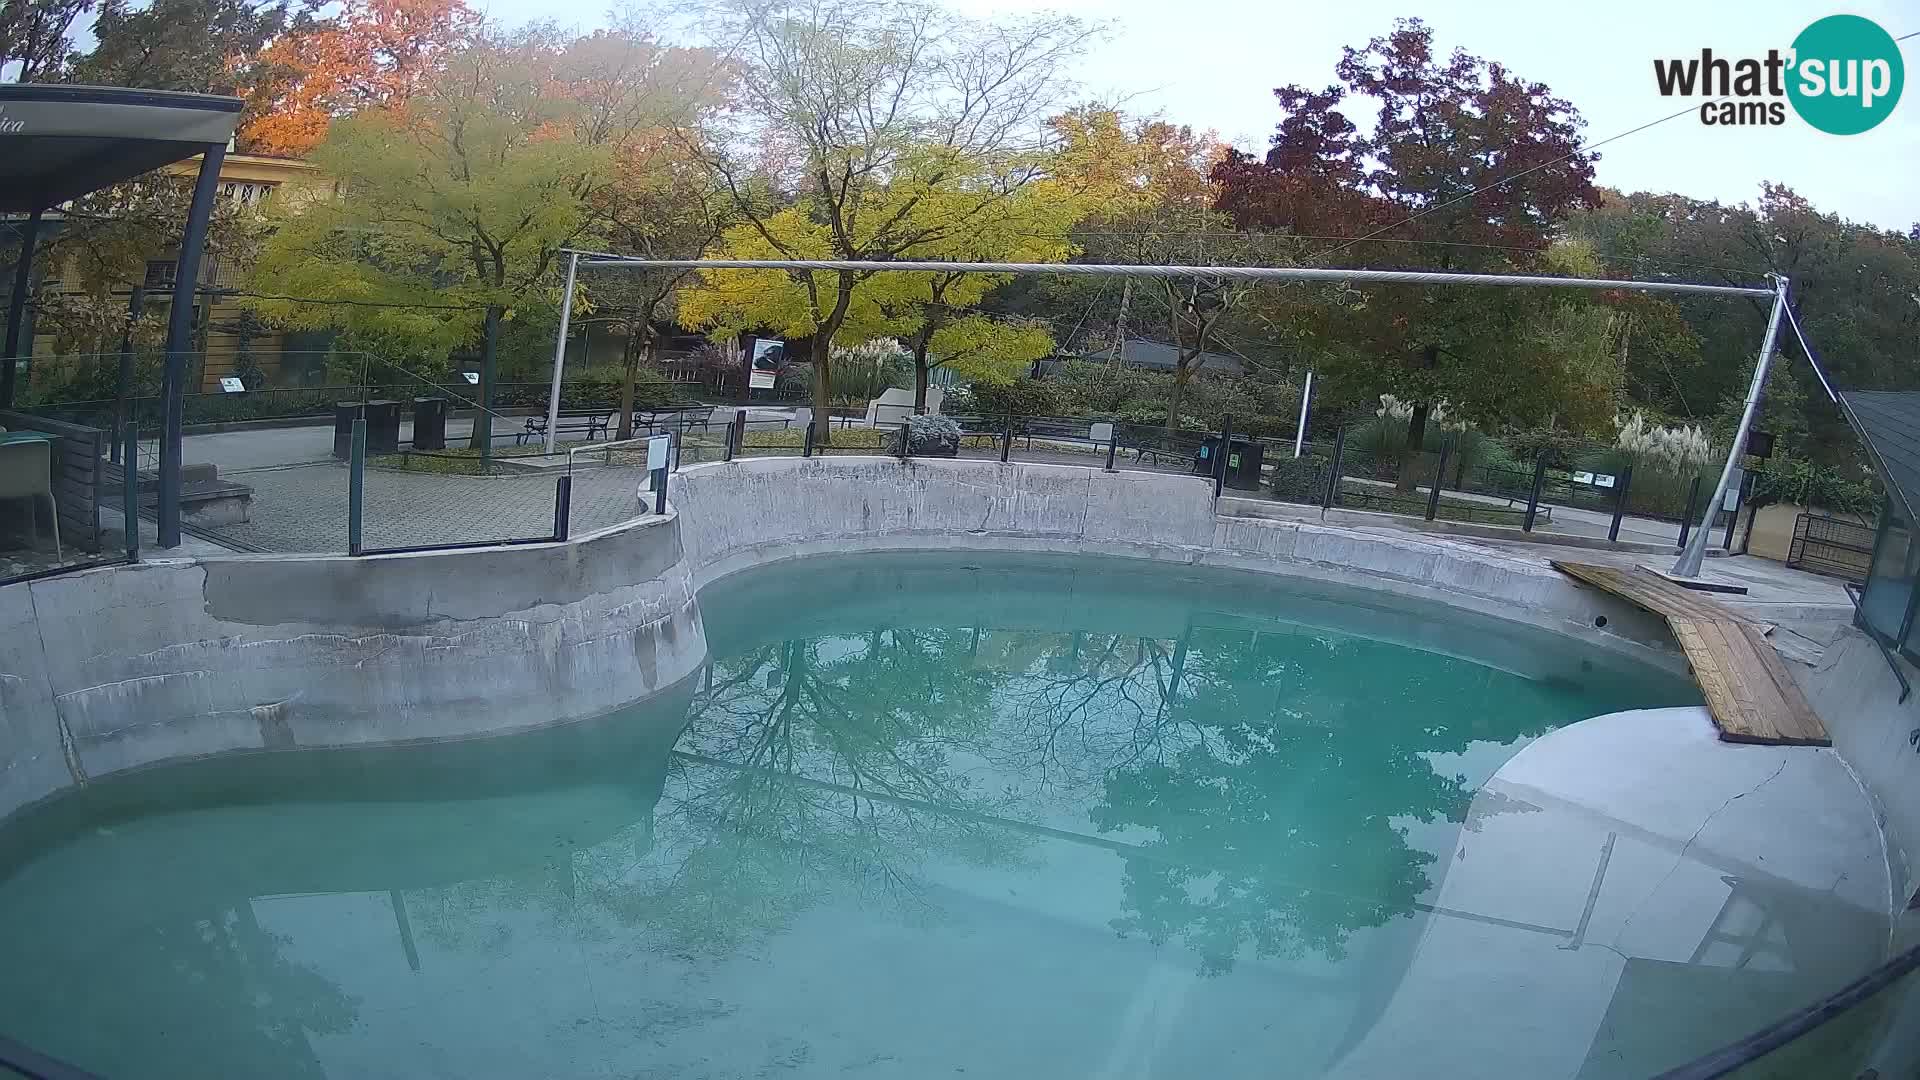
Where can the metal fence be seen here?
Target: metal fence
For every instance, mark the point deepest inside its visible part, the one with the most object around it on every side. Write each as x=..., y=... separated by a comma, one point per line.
x=1828, y=545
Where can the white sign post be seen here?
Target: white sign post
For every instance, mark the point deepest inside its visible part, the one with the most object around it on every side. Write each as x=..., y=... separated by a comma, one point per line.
x=231, y=385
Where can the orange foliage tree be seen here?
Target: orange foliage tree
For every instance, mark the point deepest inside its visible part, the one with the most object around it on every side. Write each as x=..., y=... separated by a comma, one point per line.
x=375, y=53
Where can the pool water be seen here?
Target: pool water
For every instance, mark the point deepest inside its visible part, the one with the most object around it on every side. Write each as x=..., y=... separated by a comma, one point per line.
x=922, y=815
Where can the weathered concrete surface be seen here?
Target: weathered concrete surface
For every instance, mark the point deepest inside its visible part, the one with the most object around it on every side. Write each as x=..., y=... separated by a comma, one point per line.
x=1668, y=882
x=1858, y=698
x=743, y=513
x=126, y=666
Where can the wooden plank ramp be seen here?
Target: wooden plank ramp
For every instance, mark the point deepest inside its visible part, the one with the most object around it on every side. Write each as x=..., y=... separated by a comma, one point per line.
x=1749, y=691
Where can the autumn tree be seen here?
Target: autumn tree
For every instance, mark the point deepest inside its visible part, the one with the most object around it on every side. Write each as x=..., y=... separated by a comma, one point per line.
x=35, y=42
x=374, y=54
x=1466, y=167
x=869, y=132
x=630, y=94
x=455, y=205
x=202, y=46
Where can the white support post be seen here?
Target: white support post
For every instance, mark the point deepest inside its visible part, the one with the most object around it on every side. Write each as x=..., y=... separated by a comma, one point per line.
x=1306, y=395
x=560, y=354
x=1688, y=564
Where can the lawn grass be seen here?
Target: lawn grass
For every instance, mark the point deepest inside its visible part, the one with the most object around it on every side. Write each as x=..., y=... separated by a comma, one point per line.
x=1369, y=497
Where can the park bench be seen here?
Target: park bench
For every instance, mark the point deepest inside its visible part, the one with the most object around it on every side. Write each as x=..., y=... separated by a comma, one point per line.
x=593, y=422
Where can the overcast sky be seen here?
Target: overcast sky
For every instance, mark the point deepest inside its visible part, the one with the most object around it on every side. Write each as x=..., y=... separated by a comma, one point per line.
x=1214, y=64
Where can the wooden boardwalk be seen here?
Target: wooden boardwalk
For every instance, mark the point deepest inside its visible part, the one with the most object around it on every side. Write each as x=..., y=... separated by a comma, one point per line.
x=1749, y=691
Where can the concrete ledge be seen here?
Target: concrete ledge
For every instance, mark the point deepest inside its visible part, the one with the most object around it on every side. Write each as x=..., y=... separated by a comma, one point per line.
x=121, y=667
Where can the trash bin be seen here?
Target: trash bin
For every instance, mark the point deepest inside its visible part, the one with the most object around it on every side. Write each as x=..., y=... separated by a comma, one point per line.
x=429, y=423
x=383, y=427
x=1243, y=461
x=344, y=413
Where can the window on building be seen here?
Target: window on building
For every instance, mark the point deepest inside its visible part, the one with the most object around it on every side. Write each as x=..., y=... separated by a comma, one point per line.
x=160, y=273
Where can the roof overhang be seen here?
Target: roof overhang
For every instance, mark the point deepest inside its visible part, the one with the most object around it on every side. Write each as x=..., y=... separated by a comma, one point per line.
x=59, y=142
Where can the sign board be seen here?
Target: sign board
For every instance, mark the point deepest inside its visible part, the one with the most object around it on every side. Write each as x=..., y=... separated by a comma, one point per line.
x=1732, y=501
x=1100, y=433
x=1603, y=480
x=472, y=377
x=657, y=452
x=231, y=385
x=769, y=356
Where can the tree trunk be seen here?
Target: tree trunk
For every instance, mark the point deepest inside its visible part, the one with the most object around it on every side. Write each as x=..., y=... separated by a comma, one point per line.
x=822, y=390
x=630, y=364
x=920, y=373
x=1181, y=372
x=1416, y=441
x=482, y=439
x=1119, y=358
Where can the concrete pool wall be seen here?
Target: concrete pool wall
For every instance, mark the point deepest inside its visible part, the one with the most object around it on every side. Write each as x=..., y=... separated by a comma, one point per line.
x=127, y=666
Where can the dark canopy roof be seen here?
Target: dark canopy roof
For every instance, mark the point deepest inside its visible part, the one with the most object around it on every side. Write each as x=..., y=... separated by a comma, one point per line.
x=60, y=142
x=1889, y=421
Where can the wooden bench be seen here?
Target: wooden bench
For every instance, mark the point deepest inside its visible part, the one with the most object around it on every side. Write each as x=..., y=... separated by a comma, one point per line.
x=591, y=421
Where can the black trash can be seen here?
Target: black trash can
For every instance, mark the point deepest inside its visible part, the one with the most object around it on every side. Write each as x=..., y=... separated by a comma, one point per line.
x=429, y=423
x=344, y=413
x=1243, y=461
x=383, y=427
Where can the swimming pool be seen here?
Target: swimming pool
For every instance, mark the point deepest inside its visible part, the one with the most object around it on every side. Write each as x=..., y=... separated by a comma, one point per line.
x=922, y=814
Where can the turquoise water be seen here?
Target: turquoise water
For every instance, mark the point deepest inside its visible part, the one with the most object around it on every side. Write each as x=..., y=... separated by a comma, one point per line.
x=923, y=816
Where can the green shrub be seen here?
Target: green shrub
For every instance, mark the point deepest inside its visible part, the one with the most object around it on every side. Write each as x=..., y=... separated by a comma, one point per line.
x=1021, y=397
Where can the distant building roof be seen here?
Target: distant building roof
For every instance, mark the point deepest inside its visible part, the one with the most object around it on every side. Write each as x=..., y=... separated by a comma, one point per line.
x=1158, y=356
x=1889, y=422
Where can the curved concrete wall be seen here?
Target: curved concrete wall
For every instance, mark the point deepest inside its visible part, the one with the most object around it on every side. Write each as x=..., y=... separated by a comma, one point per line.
x=740, y=514
x=125, y=666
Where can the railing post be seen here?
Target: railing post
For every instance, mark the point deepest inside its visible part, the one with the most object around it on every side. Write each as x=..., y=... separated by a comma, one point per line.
x=130, y=481
x=906, y=441
x=562, y=505
x=356, y=483
x=660, y=487
x=1006, y=440
x=1332, y=494
x=1533, y=494
x=1686, y=518
x=1223, y=455
x=1439, y=475
x=739, y=433
x=806, y=441
x=1620, y=504
x=1113, y=443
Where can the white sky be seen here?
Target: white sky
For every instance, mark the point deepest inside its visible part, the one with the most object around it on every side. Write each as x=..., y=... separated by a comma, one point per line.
x=1214, y=64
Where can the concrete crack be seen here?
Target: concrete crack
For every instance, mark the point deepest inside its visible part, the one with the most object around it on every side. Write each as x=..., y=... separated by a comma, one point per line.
x=1688, y=846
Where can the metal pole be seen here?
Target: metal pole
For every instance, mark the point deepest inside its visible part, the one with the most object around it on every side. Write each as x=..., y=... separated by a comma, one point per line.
x=1113, y=445
x=660, y=490
x=560, y=355
x=1533, y=495
x=179, y=339
x=123, y=382
x=1006, y=440
x=1620, y=504
x=17, y=306
x=1688, y=564
x=1225, y=452
x=1439, y=474
x=356, y=484
x=1686, y=516
x=130, y=484
x=562, y=505
x=1332, y=494
x=906, y=441
x=483, y=419
x=1306, y=396
x=806, y=441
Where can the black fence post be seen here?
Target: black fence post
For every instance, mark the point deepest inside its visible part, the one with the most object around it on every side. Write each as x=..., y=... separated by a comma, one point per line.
x=1222, y=455
x=356, y=483
x=1686, y=518
x=130, y=481
x=806, y=442
x=1332, y=494
x=1006, y=440
x=660, y=487
x=1533, y=494
x=906, y=441
x=1113, y=443
x=1620, y=503
x=562, y=505
x=1439, y=475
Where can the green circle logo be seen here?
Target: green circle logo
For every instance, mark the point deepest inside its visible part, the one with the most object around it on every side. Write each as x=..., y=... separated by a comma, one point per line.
x=1846, y=74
